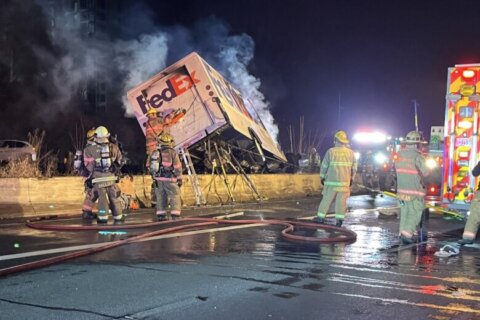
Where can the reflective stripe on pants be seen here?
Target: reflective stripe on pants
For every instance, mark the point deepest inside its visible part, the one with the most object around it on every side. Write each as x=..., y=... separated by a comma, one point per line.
x=410, y=216
x=168, y=193
x=340, y=197
x=473, y=220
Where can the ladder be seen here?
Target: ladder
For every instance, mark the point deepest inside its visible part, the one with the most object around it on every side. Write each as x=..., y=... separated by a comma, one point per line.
x=192, y=175
x=237, y=167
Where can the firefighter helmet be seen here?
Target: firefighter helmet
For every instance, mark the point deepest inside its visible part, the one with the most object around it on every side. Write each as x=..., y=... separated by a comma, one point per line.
x=151, y=112
x=91, y=134
x=101, y=135
x=165, y=139
x=413, y=137
x=341, y=136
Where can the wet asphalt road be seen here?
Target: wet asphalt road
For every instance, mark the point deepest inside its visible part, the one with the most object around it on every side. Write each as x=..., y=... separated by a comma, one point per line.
x=247, y=272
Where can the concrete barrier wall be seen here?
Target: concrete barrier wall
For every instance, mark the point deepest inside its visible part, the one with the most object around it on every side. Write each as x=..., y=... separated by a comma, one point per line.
x=29, y=197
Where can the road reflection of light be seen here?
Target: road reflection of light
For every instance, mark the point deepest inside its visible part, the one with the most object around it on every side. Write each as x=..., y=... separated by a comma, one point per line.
x=212, y=242
x=369, y=240
x=266, y=247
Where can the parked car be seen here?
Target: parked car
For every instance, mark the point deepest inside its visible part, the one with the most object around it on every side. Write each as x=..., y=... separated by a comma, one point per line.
x=16, y=149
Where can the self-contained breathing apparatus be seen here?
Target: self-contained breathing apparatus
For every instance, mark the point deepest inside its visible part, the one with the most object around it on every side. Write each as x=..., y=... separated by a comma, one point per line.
x=156, y=167
x=104, y=162
x=78, y=161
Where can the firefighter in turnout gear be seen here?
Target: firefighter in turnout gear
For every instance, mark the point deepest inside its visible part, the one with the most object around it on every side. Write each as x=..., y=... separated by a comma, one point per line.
x=314, y=161
x=166, y=170
x=337, y=173
x=410, y=168
x=90, y=196
x=154, y=126
x=473, y=220
x=103, y=161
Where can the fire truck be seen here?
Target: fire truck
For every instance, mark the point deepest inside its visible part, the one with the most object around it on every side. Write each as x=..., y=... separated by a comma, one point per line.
x=461, y=143
x=373, y=151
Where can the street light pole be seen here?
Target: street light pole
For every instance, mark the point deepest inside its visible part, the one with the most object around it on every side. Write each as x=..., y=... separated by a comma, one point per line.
x=415, y=104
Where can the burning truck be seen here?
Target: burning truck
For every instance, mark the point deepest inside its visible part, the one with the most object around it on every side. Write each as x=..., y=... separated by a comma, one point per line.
x=218, y=121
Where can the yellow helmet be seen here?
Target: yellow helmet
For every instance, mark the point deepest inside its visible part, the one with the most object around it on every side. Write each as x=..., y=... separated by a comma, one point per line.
x=165, y=139
x=414, y=137
x=101, y=134
x=341, y=136
x=91, y=134
x=151, y=112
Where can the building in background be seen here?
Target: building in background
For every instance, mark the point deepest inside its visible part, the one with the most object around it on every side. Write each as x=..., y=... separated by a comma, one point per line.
x=90, y=19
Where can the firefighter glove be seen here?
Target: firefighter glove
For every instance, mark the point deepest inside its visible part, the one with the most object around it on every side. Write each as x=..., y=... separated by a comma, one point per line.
x=179, y=182
x=88, y=183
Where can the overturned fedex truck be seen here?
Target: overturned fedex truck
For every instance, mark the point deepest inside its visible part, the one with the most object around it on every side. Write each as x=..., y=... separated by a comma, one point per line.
x=215, y=110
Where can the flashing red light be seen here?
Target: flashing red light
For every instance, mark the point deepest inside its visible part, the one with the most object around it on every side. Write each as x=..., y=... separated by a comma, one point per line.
x=395, y=156
x=468, y=74
x=384, y=166
x=433, y=189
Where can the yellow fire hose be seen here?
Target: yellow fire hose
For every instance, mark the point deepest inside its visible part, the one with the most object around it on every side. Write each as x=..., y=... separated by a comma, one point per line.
x=395, y=196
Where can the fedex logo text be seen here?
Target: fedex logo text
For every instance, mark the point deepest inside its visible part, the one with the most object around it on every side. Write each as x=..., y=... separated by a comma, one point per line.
x=176, y=85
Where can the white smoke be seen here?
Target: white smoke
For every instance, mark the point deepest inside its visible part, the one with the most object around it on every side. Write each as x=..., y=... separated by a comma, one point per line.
x=139, y=60
x=235, y=59
x=126, y=63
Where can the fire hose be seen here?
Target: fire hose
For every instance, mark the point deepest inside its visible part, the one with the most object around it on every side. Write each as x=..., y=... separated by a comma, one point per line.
x=430, y=206
x=345, y=236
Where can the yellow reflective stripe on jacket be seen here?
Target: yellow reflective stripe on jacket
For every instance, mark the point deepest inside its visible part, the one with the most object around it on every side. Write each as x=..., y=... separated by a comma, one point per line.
x=411, y=192
x=341, y=163
x=337, y=184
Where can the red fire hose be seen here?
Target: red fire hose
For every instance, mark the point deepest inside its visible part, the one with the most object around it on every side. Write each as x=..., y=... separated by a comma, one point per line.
x=347, y=236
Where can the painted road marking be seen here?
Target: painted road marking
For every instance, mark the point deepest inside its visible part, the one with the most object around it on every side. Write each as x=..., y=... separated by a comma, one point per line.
x=330, y=215
x=230, y=215
x=88, y=246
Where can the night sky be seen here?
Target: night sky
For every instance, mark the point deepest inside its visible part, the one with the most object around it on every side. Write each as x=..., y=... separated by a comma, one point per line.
x=371, y=58
x=376, y=55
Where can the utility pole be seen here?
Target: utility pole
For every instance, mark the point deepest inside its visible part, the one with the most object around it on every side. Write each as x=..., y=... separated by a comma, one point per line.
x=339, y=108
x=415, y=104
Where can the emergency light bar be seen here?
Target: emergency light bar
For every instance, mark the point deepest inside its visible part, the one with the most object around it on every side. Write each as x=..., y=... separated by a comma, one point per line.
x=370, y=137
x=468, y=74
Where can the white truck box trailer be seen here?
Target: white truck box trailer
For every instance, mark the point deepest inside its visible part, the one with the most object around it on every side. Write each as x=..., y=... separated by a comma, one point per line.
x=214, y=108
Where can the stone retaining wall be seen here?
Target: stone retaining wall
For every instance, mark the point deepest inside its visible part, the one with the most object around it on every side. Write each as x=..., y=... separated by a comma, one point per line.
x=30, y=197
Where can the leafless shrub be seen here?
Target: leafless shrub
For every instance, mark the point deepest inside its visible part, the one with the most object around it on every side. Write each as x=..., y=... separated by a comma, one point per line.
x=46, y=164
x=20, y=168
x=49, y=164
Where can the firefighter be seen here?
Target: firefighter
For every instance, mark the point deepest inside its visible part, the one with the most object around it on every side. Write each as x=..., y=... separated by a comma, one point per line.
x=154, y=126
x=473, y=220
x=80, y=168
x=410, y=168
x=313, y=161
x=166, y=170
x=103, y=161
x=337, y=173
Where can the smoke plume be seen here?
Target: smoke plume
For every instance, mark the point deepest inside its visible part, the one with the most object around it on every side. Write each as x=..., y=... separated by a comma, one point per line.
x=52, y=74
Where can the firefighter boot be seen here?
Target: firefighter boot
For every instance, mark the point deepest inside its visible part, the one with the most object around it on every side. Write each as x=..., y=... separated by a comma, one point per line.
x=119, y=220
x=88, y=215
x=465, y=241
x=339, y=223
x=161, y=217
x=406, y=240
x=319, y=220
